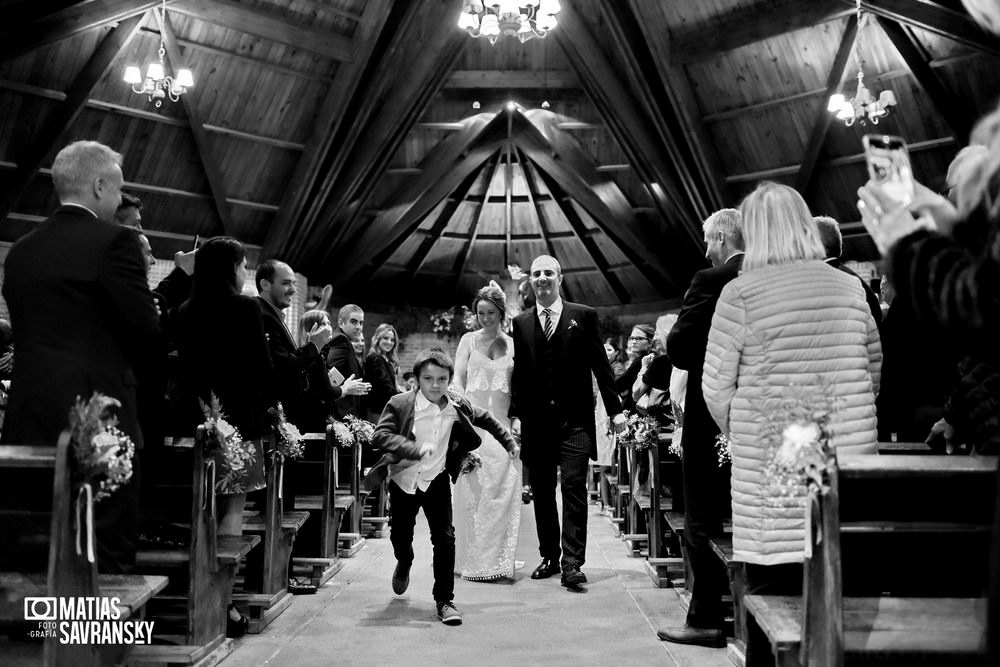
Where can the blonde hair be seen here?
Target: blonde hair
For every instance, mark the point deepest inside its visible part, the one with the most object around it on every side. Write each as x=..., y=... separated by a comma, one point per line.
x=380, y=331
x=778, y=227
x=309, y=319
x=977, y=179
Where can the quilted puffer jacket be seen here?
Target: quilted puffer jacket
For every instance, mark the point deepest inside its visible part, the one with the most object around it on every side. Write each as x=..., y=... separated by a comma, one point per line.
x=776, y=331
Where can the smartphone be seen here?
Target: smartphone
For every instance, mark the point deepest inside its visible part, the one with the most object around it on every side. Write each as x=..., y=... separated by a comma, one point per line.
x=889, y=166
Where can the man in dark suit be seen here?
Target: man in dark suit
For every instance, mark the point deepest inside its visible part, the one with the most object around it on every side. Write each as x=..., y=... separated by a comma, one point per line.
x=340, y=355
x=556, y=348
x=83, y=316
x=833, y=243
x=276, y=286
x=706, y=486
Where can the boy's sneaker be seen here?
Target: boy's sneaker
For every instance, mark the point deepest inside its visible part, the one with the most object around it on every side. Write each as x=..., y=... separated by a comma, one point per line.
x=401, y=578
x=449, y=614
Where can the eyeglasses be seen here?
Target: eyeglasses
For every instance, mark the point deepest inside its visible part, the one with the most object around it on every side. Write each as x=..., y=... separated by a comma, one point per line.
x=636, y=339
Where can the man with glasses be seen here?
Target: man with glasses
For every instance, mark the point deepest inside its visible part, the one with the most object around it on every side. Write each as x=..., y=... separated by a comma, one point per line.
x=706, y=486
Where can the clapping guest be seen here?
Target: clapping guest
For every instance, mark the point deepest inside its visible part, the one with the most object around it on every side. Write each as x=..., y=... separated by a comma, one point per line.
x=614, y=357
x=640, y=343
x=236, y=368
x=651, y=389
x=788, y=322
x=340, y=354
x=381, y=366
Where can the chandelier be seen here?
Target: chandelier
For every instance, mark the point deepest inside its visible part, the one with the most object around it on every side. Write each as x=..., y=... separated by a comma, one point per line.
x=524, y=19
x=863, y=108
x=157, y=85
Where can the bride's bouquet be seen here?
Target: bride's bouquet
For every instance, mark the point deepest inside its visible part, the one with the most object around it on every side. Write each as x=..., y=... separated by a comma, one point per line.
x=471, y=461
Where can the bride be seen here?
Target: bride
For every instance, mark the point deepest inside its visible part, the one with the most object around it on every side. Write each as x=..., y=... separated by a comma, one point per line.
x=487, y=501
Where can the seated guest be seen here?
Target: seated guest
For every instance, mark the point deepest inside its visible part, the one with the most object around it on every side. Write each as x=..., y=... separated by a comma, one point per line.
x=789, y=322
x=381, y=366
x=223, y=352
x=833, y=246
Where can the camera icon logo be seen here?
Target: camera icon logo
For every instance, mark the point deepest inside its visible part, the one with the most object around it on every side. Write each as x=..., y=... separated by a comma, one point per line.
x=40, y=609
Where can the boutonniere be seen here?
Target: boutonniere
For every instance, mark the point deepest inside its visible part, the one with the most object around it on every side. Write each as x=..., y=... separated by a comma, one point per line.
x=573, y=324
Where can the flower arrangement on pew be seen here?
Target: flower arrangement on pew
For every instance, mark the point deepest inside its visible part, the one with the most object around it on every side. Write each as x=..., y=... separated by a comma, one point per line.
x=797, y=432
x=471, y=461
x=362, y=430
x=342, y=434
x=237, y=455
x=641, y=432
x=724, y=450
x=102, y=453
x=288, y=443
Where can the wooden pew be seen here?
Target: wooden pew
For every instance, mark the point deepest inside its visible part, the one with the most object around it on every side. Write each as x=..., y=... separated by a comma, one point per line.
x=649, y=505
x=867, y=588
x=37, y=519
x=179, y=490
x=310, y=485
x=621, y=490
x=265, y=593
x=349, y=484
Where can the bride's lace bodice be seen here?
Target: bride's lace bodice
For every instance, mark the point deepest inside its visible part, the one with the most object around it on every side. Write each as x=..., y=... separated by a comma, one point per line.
x=488, y=383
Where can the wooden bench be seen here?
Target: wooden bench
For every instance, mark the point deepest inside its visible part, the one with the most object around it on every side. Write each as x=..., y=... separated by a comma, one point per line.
x=38, y=521
x=650, y=503
x=867, y=587
x=310, y=485
x=348, y=480
x=621, y=491
x=265, y=593
x=179, y=491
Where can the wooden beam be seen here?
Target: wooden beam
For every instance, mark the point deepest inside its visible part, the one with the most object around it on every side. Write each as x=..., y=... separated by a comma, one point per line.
x=777, y=172
x=328, y=122
x=881, y=77
x=934, y=18
x=424, y=249
x=653, y=23
x=250, y=60
x=411, y=74
x=492, y=79
x=611, y=280
x=269, y=25
x=449, y=127
x=461, y=264
x=567, y=164
x=916, y=58
x=201, y=140
x=16, y=40
x=55, y=125
x=747, y=24
x=821, y=125
x=447, y=166
x=630, y=126
x=169, y=192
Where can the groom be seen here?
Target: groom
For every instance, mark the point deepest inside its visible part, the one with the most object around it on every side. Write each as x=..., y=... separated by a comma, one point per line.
x=556, y=348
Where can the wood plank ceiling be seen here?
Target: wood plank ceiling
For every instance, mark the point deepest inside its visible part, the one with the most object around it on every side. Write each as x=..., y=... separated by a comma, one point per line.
x=340, y=135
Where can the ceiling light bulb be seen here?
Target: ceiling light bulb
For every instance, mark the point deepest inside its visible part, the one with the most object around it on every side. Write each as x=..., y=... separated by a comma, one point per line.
x=836, y=101
x=185, y=79
x=133, y=75
x=155, y=71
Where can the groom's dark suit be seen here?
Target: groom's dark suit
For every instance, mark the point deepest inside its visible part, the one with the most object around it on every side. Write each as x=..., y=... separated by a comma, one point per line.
x=552, y=395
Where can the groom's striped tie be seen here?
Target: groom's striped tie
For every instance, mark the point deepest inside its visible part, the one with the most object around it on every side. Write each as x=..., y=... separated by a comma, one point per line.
x=549, y=327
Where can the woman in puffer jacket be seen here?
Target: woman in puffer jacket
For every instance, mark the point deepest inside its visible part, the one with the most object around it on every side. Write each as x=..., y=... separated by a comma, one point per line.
x=788, y=324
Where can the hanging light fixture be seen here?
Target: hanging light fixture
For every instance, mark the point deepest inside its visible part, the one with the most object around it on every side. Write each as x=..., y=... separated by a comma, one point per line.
x=157, y=85
x=494, y=19
x=863, y=108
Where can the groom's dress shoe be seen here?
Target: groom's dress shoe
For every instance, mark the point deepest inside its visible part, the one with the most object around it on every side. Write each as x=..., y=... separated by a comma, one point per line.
x=710, y=637
x=545, y=569
x=572, y=576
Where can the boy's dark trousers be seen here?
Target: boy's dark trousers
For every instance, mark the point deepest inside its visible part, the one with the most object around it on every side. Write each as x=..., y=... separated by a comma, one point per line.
x=436, y=503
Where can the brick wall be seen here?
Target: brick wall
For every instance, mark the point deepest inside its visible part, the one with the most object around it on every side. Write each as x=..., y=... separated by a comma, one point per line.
x=414, y=344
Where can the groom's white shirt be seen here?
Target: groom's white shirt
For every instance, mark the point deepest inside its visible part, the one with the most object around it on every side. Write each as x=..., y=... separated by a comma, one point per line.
x=556, y=308
x=430, y=424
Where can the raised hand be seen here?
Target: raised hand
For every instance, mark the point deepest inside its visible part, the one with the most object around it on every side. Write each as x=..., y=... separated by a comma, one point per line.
x=355, y=387
x=320, y=335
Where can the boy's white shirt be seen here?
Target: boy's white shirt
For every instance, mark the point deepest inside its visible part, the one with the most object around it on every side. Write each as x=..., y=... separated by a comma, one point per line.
x=431, y=424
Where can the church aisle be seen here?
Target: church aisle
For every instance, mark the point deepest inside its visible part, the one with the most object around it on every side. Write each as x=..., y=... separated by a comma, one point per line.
x=356, y=620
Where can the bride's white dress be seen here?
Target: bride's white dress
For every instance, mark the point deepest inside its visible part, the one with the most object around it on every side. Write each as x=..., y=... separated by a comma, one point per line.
x=487, y=501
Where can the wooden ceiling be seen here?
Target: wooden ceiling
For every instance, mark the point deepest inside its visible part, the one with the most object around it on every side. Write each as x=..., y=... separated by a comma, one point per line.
x=340, y=135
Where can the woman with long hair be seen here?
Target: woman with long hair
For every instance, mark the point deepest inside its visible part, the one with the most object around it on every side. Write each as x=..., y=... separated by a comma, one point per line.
x=487, y=503
x=788, y=326
x=223, y=352
x=640, y=343
x=381, y=366
x=316, y=403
